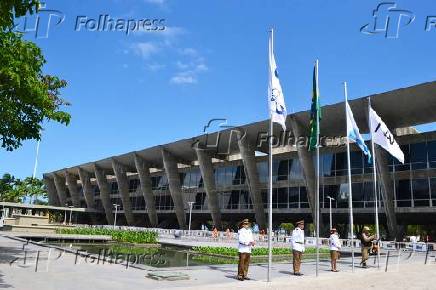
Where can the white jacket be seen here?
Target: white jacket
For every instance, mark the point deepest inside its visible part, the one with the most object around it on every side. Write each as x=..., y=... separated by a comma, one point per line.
x=334, y=243
x=245, y=237
x=297, y=240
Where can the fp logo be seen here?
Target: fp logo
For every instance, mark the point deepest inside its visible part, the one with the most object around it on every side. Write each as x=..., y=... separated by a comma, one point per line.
x=41, y=22
x=221, y=141
x=387, y=19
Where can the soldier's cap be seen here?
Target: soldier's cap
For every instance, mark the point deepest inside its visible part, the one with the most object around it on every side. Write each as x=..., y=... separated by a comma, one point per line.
x=245, y=222
x=365, y=229
x=300, y=222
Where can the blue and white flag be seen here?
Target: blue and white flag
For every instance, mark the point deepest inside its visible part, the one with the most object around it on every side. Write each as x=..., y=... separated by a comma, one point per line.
x=276, y=100
x=353, y=133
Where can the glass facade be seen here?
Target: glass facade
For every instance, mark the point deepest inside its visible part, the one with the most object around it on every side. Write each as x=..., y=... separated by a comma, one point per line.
x=191, y=179
x=235, y=199
x=164, y=202
x=416, y=156
x=133, y=185
x=285, y=169
x=286, y=197
x=410, y=189
x=229, y=175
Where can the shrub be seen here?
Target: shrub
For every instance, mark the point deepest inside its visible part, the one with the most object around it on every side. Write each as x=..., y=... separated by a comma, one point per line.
x=228, y=251
x=127, y=236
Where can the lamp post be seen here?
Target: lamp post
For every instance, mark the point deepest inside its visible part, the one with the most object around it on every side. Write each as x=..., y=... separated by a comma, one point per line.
x=65, y=214
x=330, y=212
x=190, y=203
x=116, y=212
x=71, y=212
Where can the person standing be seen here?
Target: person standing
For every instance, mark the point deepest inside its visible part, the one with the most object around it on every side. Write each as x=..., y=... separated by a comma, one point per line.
x=246, y=242
x=335, y=247
x=297, y=246
x=366, y=244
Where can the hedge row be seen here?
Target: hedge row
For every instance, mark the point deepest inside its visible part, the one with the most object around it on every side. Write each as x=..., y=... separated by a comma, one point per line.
x=128, y=236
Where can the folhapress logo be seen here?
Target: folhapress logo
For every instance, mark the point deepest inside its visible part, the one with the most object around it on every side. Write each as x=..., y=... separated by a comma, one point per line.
x=388, y=20
x=41, y=22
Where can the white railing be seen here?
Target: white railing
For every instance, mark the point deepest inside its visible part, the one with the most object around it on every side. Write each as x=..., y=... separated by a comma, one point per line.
x=278, y=239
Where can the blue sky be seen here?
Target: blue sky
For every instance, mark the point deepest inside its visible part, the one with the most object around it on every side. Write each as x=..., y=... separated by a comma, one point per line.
x=129, y=92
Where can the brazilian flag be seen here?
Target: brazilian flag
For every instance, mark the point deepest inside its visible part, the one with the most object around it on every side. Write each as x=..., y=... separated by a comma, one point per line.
x=315, y=112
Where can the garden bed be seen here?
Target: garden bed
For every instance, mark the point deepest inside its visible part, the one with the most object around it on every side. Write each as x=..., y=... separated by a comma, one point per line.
x=125, y=236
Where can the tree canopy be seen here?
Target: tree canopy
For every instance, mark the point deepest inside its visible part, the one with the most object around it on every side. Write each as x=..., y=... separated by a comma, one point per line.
x=11, y=9
x=27, y=95
x=15, y=190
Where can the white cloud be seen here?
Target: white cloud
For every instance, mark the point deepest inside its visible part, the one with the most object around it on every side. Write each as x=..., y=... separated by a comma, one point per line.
x=156, y=2
x=169, y=33
x=181, y=65
x=155, y=66
x=172, y=31
x=201, y=67
x=183, y=78
x=146, y=49
x=190, y=69
x=188, y=51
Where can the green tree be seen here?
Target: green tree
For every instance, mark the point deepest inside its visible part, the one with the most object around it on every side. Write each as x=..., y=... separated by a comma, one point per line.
x=31, y=187
x=27, y=95
x=11, y=9
x=288, y=227
x=14, y=190
x=7, y=188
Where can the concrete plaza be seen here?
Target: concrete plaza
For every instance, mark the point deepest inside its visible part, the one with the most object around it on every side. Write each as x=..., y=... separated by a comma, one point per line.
x=68, y=272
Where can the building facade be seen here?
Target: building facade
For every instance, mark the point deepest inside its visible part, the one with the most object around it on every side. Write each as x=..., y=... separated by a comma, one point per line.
x=225, y=174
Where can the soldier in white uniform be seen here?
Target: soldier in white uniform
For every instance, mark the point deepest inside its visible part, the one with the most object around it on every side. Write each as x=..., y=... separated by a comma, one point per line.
x=297, y=246
x=246, y=242
x=335, y=246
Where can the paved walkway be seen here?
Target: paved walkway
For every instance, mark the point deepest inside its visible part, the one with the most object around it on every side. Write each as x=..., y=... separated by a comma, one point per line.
x=57, y=270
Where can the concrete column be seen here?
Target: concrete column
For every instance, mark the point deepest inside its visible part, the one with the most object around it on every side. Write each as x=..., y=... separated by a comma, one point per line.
x=206, y=168
x=87, y=188
x=146, y=187
x=250, y=167
x=172, y=173
x=61, y=189
x=387, y=193
x=306, y=160
x=123, y=189
x=53, y=198
x=105, y=192
x=72, y=187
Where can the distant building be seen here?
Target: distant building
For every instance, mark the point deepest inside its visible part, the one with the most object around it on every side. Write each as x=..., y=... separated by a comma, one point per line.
x=225, y=173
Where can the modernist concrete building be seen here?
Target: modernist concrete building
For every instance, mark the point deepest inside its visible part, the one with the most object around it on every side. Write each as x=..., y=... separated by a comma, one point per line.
x=225, y=173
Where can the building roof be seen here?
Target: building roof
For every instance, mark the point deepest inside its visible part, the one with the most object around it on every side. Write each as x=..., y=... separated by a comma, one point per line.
x=399, y=108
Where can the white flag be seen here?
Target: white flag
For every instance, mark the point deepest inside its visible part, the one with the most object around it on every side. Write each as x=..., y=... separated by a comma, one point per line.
x=276, y=100
x=383, y=137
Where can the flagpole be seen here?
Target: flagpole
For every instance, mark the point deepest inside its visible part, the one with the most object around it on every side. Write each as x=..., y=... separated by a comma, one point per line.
x=317, y=174
x=270, y=180
x=35, y=167
x=350, y=192
x=36, y=160
x=377, y=229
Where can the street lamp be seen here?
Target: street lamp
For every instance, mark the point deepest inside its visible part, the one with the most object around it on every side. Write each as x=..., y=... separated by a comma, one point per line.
x=190, y=203
x=330, y=205
x=65, y=214
x=71, y=212
x=116, y=212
